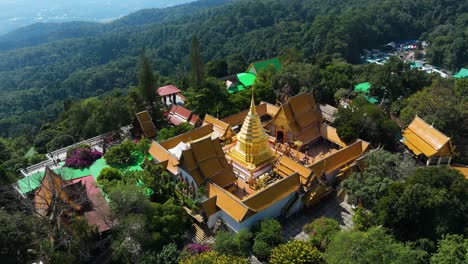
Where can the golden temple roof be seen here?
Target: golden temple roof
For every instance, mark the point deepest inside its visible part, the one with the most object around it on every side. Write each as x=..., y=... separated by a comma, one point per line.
x=223, y=130
x=252, y=148
x=420, y=137
x=301, y=116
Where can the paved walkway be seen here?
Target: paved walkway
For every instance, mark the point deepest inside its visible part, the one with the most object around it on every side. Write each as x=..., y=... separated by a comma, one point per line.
x=330, y=207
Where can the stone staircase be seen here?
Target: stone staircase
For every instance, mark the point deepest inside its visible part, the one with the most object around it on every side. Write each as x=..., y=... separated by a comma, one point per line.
x=201, y=234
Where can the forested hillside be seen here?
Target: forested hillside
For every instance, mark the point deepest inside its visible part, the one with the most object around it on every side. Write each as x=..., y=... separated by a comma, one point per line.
x=40, y=33
x=34, y=82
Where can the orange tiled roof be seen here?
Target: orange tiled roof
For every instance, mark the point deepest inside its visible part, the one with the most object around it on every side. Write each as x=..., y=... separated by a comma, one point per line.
x=422, y=138
x=146, y=124
x=285, y=166
x=223, y=129
x=192, y=135
x=463, y=170
x=205, y=160
x=340, y=158
x=300, y=114
x=161, y=154
x=271, y=109
x=209, y=206
x=273, y=193
x=238, y=119
x=228, y=202
x=329, y=133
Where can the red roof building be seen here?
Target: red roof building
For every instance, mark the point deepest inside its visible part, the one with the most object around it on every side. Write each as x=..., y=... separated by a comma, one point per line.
x=168, y=90
x=179, y=114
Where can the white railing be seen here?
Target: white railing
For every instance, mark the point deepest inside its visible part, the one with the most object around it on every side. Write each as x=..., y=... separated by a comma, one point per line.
x=51, y=155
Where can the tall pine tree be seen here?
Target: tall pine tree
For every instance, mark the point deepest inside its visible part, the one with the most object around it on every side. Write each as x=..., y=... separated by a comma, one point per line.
x=197, y=74
x=147, y=83
x=146, y=79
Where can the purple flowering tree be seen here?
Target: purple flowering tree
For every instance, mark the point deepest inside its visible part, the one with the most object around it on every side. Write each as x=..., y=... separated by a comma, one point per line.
x=82, y=158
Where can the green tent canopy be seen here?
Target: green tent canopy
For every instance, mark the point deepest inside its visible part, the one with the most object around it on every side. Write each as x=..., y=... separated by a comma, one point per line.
x=246, y=78
x=363, y=87
x=463, y=73
x=257, y=66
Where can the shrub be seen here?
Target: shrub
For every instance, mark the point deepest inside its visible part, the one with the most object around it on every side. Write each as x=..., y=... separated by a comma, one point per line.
x=82, y=158
x=195, y=249
x=121, y=154
x=296, y=251
x=213, y=257
x=239, y=244
x=268, y=236
x=109, y=177
x=321, y=231
x=261, y=249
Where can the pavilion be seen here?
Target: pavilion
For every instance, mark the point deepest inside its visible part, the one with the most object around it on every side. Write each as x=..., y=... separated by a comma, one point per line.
x=169, y=92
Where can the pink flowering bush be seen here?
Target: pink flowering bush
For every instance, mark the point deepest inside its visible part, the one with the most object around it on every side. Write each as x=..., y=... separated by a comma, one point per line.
x=82, y=158
x=195, y=249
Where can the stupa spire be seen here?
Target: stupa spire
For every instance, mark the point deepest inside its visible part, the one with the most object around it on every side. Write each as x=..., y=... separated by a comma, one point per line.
x=252, y=148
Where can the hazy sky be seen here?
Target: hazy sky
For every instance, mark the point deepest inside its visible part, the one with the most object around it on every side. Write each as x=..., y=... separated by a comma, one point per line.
x=18, y=13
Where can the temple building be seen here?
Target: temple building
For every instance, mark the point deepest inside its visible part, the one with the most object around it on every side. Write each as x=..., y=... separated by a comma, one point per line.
x=252, y=155
x=265, y=162
x=428, y=144
x=143, y=125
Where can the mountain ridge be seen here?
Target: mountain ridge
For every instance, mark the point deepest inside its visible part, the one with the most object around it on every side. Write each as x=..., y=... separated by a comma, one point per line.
x=41, y=33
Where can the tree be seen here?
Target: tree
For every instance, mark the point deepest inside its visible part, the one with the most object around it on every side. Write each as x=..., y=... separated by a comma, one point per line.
x=366, y=121
x=6, y=177
x=143, y=226
x=156, y=178
x=211, y=98
x=147, y=81
x=17, y=236
x=382, y=169
x=82, y=158
x=217, y=68
x=266, y=238
x=452, y=249
x=121, y=154
x=213, y=257
x=108, y=178
x=196, y=61
x=363, y=219
x=373, y=246
x=431, y=203
x=334, y=76
x=170, y=132
x=296, y=251
x=168, y=255
x=239, y=244
x=321, y=231
x=60, y=141
x=438, y=105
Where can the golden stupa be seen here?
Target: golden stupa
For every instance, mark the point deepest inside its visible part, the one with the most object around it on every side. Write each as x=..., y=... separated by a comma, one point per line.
x=252, y=149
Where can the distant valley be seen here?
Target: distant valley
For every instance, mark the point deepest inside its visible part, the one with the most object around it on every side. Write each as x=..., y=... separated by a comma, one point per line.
x=18, y=13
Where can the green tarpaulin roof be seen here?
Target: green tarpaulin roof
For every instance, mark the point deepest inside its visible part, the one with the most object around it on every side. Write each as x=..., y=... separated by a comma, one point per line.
x=236, y=88
x=363, y=87
x=463, y=73
x=372, y=100
x=33, y=181
x=246, y=78
x=260, y=65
